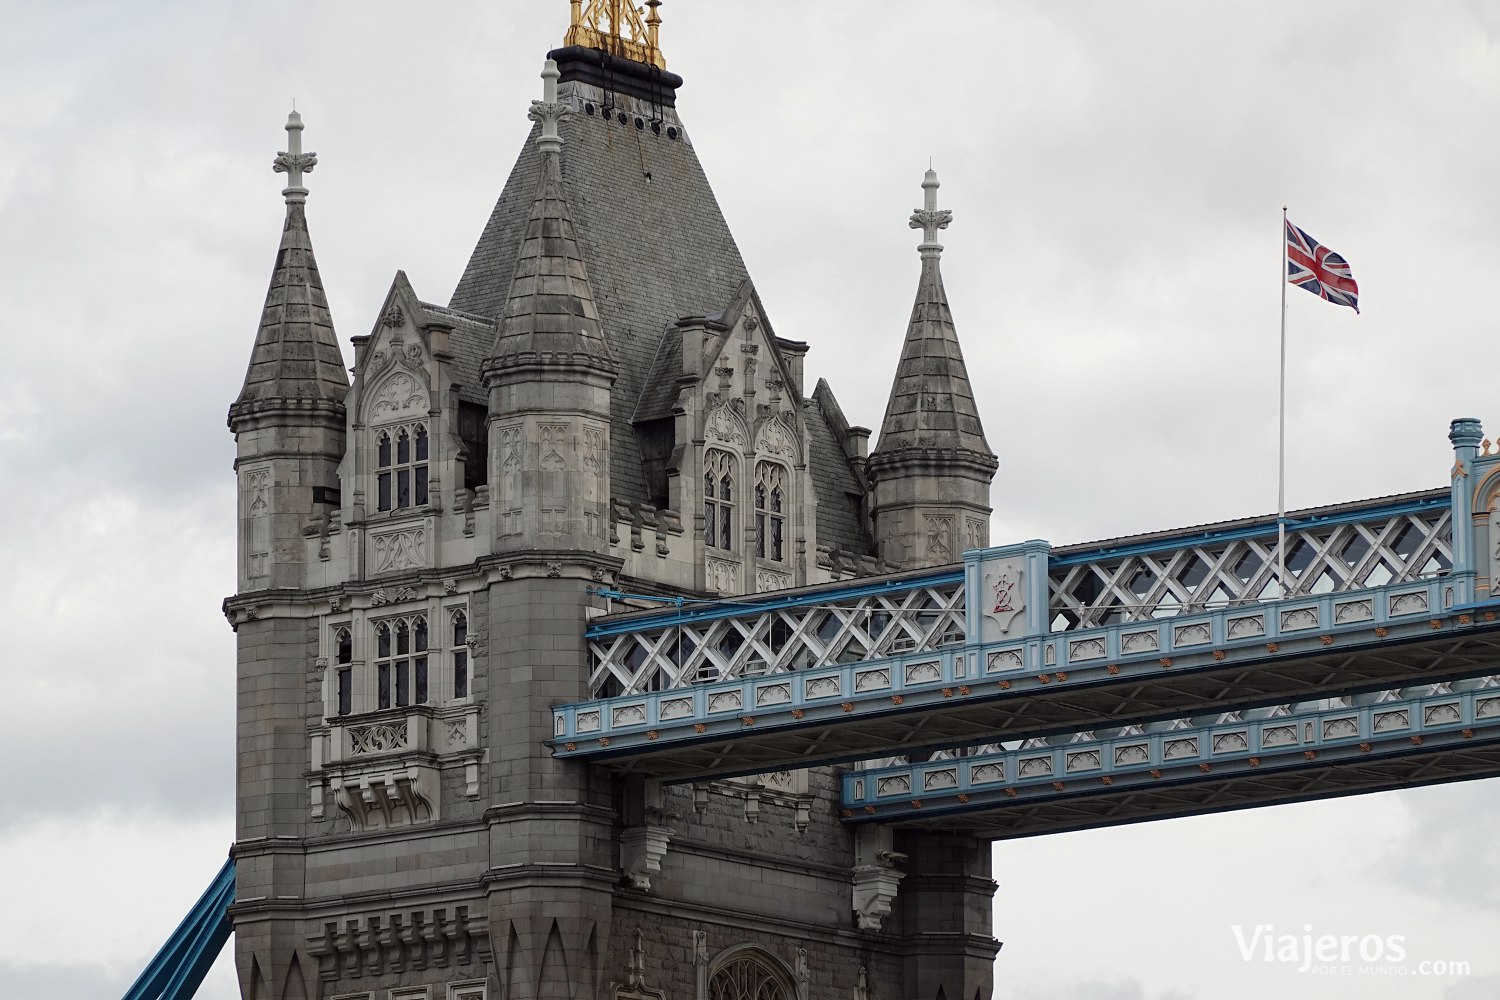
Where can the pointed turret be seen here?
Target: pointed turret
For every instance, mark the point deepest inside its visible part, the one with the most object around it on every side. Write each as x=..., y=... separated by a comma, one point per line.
x=550, y=374
x=932, y=466
x=296, y=360
x=288, y=420
x=549, y=315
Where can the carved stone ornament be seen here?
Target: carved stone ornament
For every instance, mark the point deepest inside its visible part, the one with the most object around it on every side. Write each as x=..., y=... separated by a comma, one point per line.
x=634, y=987
x=383, y=596
x=1003, y=595
x=394, y=316
x=775, y=439
x=398, y=550
x=398, y=394
x=725, y=425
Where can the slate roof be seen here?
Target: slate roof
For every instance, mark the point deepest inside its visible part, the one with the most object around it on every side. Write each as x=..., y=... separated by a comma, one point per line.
x=470, y=344
x=931, y=403
x=296, y=354
x=652, y=237
x=661, y=390
x=840, y=524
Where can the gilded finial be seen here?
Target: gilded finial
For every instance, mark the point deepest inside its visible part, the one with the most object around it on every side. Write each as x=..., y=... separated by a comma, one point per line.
x=929, y=218
x=619, y=28
x=293, y=162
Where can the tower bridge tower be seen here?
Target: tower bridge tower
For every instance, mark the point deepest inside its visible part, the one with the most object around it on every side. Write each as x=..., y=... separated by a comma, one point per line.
x=604, y=402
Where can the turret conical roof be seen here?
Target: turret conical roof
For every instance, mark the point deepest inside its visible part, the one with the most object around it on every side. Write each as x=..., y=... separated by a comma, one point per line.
x=296, y=357
x=549, y=316
x=932, y=404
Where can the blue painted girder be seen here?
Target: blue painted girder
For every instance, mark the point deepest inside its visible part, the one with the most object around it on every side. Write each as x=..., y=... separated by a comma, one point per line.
x=957, y=696
x=1315, y=753
x=177, y=970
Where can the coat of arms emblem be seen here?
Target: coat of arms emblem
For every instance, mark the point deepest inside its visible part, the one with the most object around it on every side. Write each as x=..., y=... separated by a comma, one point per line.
x=1004, y=599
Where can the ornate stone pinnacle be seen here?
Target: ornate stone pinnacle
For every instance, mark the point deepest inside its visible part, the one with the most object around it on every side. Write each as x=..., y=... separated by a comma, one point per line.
x=929, y=218
x=293, y=162
x=549, y=110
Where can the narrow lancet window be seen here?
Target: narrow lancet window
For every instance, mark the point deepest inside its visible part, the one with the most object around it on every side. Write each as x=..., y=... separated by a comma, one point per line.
x=718, y=499
x=770, y=511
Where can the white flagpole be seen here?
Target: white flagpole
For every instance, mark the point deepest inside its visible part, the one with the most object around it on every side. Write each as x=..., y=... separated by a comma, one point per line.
x=1281, y=430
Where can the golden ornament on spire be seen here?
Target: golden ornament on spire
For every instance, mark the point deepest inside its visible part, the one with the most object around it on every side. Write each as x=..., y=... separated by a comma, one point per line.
x=619, y=28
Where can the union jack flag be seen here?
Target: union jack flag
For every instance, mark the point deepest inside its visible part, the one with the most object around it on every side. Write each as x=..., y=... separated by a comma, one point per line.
x=1311, y=265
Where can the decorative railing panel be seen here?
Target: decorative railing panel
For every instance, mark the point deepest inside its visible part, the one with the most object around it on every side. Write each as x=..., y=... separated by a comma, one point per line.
x=1339, y=551
x=731, y=641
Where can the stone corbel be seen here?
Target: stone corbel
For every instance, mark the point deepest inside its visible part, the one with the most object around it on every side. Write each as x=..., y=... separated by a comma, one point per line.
x=383, y=799
x=874, y=895
x=641, y=851
x=875, y=876
x=644, y=840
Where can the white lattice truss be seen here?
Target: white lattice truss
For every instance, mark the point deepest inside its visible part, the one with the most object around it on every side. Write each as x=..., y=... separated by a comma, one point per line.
x=1320, y=559
x=770, y=642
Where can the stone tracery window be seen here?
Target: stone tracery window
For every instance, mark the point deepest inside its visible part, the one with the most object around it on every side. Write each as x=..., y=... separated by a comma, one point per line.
x=748, y=975
x=401, y=662
x=719, y=491
x=770, y=511
x=401, y=467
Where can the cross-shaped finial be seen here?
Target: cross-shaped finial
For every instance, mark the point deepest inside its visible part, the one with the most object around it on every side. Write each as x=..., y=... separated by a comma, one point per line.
x=293, y=162
x=929, y=218
x=549, y=110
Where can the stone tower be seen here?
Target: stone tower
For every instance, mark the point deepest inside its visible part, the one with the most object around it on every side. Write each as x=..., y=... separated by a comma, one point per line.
x=289, y=430
x=932, y=466
x=603, y=408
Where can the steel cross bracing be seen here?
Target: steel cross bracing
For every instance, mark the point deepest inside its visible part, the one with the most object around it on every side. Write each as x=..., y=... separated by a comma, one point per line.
x=1349, y=548
x=819, y=627
x=1192, y=767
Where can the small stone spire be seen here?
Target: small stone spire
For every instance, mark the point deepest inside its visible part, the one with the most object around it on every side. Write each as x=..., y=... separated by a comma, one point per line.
x=929, y=218
x=932, y=466
x=293, y=162
x=296, y=358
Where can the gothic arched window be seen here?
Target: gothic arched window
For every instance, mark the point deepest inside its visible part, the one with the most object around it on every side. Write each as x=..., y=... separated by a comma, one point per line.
x=719, y=494
x=748, y=975
x=401, y=468
x=401, y=662
x=770, y=511
x=460, y=654
x=344, y=665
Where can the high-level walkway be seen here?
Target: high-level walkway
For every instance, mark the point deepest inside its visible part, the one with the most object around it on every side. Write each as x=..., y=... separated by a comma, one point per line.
x=1095, y=648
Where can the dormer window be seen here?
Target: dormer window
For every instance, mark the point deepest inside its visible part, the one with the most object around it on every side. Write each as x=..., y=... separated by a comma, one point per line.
x=718, y=499
x=401, y=467
x=770, y=511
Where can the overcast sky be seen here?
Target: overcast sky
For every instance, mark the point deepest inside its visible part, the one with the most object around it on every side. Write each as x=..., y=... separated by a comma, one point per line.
x=1116, y=172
